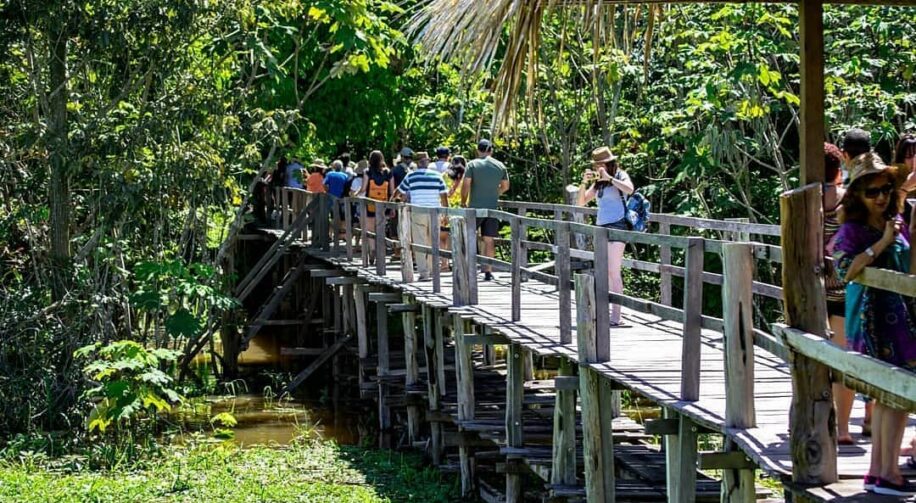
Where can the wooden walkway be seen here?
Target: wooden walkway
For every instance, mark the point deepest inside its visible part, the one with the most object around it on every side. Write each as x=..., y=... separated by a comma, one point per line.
x=708, y=375
x=645, y=357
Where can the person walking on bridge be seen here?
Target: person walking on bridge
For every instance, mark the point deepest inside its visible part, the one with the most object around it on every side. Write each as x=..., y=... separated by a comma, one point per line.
x=879, y=323
x=484, y=181
x=610, y=185
x=423, y=187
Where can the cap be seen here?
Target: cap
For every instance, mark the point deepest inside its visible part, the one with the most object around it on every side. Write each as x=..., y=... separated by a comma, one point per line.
x=484, y=146
x=421, y=156
x=406, y=152
x=442, y=151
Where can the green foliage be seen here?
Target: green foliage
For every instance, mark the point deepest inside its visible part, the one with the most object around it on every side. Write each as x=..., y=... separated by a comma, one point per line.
x=130, y=383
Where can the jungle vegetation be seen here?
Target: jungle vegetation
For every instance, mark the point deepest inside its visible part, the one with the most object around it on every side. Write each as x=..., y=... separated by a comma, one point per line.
x=130, y=131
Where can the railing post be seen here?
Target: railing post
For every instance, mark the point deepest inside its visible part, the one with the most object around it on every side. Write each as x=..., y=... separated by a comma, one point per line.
x=665, y=258
x=336, y=203
x=595, y=396
x=405, y=238
x=693, y=320
x=562, y=258
x=460, y=270
x=380, y=246
x=742, y=236
x=324, y=214
x=602, y=290
x=517, y=251
x=470, y=222
x=348, y=227
x=522, y=238
x=738, y=308
x=363, y=231
x=812, y=439
x=572, y=199
x=435, y=229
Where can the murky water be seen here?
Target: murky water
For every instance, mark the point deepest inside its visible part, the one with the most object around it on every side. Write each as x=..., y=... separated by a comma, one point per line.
x=262, y=420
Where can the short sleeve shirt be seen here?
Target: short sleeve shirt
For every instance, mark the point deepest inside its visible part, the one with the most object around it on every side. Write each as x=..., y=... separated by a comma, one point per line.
x=424, y=187
x=315, y=182
x=611, y=202
x=336, y=182
x=485, y=175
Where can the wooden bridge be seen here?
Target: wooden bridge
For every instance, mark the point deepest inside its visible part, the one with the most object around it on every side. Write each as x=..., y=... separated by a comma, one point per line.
x=522, y=374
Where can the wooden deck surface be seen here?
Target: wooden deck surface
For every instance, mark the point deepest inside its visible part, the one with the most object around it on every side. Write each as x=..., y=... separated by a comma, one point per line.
x=645, y=357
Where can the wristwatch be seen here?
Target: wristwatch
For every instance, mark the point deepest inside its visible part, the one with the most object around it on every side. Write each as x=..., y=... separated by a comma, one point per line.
x=870, y=252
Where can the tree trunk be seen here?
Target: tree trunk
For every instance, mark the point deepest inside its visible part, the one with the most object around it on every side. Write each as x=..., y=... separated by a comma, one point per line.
x=58, y=149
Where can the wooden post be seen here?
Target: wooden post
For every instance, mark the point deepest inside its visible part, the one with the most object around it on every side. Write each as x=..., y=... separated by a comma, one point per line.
x=464, y=372
x=460, y=266
x=470, y=224
x=740, y=236
x=348, y=227
x=812, y=438
x=439, y=335
x=517, y=252
x=602, y=306
x=411, y=369
x=382, y=373
x=563, y=468
x=362, y=326
x=563, y=277
x=522, y=237
x=336, y=218
x=437, y=260
x=364, y=232
x=693, y=319
x=380, y=251
x=811, y=110
x=681, y=459
x=404, y=237
x=515, y=394
x=433, y=369
x=665, y=259
x=572, y=199
x=738, y=311
x=595, y=396
x=324, y=213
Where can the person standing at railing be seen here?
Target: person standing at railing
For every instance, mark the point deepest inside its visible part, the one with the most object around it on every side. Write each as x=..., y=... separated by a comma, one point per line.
x=610, y=185
x=315, y=181
x=879, y=323
x=453, y=178
x=335, y=183
x=376, y=185
x=484, y=181
x=423, y=187
x=836, y=289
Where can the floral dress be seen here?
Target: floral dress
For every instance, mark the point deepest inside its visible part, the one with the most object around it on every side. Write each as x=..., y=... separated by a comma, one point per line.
x=879, y=323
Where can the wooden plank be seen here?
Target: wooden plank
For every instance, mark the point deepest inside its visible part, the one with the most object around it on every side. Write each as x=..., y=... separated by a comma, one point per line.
x=405, y=238
x=517, y=252
x=436, y=255
x=602, y=307
x=362, y=328
x=515, y=393
x=430, y=348
x=738, y=313
x=363, y=231
x=898, y=384
x=892, y=281
x=662, y=427
x=693, y=319
x=682, y=473
x=412, y=374
x=383, y=368
x=405, y=307
x=665, y=259
x=348, y=227
x=380, y=251
x=813, y=435
x=460, y=265
x=487, y=340
x=470, y=225
x=563, y=466
x=464, y=373
x=384, y=297
x=726, y=461
x=343, y=280
x=315, y=365
x=565, y=382
x=563, y=277
x=596, y=442
x=522, y=212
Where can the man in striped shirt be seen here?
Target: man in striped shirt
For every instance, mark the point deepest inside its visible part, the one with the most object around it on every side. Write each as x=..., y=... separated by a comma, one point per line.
x=423, y=187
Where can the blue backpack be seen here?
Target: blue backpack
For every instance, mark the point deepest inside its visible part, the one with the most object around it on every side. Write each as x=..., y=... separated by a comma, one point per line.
x=638, y=212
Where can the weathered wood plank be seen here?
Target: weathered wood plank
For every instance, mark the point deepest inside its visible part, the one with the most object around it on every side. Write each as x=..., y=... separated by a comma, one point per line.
x=412, y=374
x=515, y=392
x=693, y=320
x=464, y=373
x=563, y=467
x=563, y=277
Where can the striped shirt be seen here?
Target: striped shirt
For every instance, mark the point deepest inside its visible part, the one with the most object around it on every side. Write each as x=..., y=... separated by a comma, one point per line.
x=423, y=187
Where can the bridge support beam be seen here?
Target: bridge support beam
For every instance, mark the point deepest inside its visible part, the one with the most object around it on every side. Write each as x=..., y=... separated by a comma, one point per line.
x=412, y=374
x=595, y=396
x=464, y=371
x=681, y=460
x=435, y=377
x=563, y=468
x=515, y=394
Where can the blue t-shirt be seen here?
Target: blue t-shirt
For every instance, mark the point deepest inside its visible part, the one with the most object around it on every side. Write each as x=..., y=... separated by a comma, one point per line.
x=336, y=182
x=612, y=202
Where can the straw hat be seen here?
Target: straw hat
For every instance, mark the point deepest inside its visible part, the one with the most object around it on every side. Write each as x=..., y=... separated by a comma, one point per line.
x=317, y=164
x=602, y=155
x=870, y=164
x=421, y=156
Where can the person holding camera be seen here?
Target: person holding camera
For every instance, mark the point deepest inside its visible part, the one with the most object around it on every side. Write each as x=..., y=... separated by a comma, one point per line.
x=610, y=185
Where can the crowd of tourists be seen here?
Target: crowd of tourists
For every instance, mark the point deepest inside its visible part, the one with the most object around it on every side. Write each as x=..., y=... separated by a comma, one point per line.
x=868, y=223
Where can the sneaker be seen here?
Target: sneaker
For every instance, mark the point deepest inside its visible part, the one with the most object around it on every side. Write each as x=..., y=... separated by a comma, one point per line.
x=868, y=483
x=889, y=488
x=488, y=276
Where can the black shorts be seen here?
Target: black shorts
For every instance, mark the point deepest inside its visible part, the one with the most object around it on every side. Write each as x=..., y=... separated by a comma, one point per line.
x=836, y=308
x=489, y=227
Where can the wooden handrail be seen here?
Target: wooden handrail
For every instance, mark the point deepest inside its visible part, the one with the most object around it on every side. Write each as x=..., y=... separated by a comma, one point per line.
x=885, y=279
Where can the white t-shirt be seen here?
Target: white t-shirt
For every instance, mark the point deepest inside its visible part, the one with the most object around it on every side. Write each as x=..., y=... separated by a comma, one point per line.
x=440, y=166
x=356, y=184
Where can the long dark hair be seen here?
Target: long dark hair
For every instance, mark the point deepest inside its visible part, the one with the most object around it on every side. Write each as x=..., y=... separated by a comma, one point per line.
x=457, y=172
x=376, y=163
x=906, y=147
x=854, y=208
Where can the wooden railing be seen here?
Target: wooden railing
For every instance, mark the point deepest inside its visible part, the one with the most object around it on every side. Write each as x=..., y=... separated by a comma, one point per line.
x=565, y=236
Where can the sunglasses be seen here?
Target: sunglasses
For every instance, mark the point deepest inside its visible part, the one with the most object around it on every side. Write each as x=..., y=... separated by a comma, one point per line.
x=874, y=192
